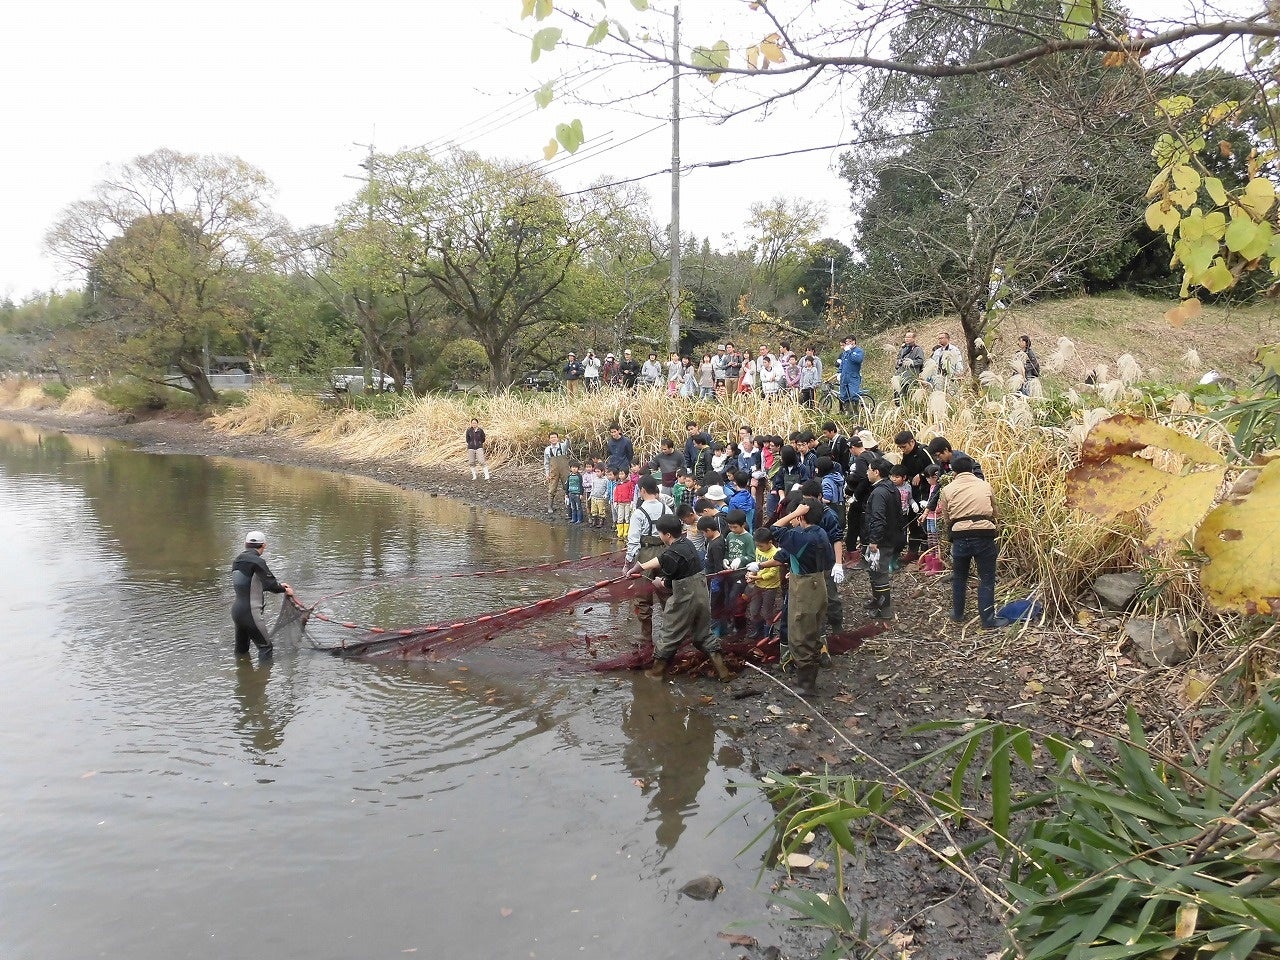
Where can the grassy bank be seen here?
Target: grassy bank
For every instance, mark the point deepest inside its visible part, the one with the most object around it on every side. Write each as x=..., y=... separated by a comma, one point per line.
x=1025, y=448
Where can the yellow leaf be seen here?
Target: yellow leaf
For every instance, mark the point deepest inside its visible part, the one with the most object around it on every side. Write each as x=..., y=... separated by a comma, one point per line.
x=1125, y=433
x=1194, y=687
x=1217, y=278
x=1219, y=112
x=1186, y=922
x=1242, y=540
x=1186, y=501
x=1162, y=217
x=1158, y=182
x=1186, y=177
x=1109, y=488
x=1215, y=224
x=753, y=58
x=550, y=149
x=770, y=49
x=1217, y=192
x=1259, y=197
x=1183, y=198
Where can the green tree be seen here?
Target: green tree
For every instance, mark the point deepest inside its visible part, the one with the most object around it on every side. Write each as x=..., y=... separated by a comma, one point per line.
x=987, y=189
x=494, y=240
x=169, y=245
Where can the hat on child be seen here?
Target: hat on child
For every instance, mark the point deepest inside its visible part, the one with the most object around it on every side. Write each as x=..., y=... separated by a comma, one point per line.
x=715, y=492
x=868, y=439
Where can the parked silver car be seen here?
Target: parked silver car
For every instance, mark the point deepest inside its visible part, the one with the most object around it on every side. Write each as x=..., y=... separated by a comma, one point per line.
x=343, y=379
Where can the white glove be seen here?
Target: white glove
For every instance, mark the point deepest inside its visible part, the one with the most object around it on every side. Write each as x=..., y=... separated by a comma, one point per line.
x=759, y=474
x=837, y=574
x=753, y=567
x=795, y=486
x=736, y=564
x=873, y=559
x=921, y=505
x=915, y=507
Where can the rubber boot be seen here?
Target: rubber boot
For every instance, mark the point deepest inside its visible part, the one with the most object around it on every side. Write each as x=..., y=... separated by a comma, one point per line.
x=807, y=681
x=618, y=528
x=884, y=606
x=722, y=668
x=486, y=473
x=658, y=670
x=473, y=473
x=872, y=604
x=626, y=531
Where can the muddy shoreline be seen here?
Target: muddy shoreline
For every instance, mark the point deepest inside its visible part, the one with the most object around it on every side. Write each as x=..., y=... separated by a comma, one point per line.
x=923, y=668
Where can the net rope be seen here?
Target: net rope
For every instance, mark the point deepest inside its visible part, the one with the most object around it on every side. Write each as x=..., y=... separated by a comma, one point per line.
x=442, y=639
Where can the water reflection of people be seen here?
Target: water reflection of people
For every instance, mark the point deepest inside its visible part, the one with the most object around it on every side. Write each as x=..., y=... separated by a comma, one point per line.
x=260, y=727
x=669, y=748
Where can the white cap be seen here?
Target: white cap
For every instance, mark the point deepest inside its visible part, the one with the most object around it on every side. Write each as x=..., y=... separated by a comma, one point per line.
x=868, y=439
x=715, y=492
x=255, y=538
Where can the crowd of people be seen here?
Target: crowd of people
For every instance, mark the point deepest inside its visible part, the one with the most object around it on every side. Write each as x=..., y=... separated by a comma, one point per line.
x=751, y=536
x=774, y=372
x=771, y=373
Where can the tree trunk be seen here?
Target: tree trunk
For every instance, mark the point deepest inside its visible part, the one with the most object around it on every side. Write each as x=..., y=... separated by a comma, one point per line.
x=973, y=323
x=200, y=384
x=495, y=349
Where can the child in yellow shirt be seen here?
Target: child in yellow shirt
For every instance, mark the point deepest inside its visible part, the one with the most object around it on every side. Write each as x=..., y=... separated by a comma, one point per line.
x=765, y=578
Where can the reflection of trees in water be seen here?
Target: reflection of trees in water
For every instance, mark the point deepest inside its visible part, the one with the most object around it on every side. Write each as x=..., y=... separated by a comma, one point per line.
x=260, y=719
x=669, y=748
x=185, y=515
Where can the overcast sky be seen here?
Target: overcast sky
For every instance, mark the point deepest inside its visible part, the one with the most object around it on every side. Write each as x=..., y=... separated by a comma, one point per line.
x=293, y=86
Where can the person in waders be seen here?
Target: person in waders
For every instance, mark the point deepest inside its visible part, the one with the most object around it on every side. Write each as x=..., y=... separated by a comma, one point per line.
x=251, y=578
x=811, y=557
x=687, y=610
x=555, y=467
x=644, y=544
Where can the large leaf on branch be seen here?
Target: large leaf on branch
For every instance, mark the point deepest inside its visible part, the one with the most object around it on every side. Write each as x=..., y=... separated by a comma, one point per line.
x=1107, y=488
x=1242, y=540
x=1111, y=480
x=1125, y=433
x=1186, y=502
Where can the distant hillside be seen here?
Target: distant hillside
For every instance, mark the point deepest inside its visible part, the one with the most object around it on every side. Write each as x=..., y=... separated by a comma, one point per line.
x=1104, y=327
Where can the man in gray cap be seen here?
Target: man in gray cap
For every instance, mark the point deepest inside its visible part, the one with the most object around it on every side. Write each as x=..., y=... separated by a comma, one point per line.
x=250, y=576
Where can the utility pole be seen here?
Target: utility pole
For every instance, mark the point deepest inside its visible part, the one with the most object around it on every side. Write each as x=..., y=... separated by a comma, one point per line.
x=673, y=324
x=365, y=313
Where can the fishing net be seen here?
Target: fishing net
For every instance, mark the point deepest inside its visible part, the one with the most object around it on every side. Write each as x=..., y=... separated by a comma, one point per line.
x=602, y=652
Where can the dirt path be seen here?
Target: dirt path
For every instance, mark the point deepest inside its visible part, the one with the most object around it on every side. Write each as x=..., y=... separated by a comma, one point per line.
x=923, y=668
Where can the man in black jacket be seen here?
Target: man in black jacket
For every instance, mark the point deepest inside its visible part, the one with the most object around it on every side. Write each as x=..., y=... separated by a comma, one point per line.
x=621, y=452
x=908, y=367
x=914, y=459
x=250, y=577
x=882, y=536
x=856, y=488
x=573, y=371
x=629, y=370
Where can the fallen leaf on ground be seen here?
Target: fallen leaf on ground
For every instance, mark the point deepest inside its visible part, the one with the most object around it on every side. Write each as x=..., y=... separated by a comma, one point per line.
x=506, y=911
x=737, y=939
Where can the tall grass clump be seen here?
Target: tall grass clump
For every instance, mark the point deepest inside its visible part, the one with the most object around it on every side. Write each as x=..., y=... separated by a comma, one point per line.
x=19, y=393
x=84, y=400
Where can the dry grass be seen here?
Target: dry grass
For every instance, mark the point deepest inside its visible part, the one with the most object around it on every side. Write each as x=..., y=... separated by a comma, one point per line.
x=23, y=394
x=84, y=400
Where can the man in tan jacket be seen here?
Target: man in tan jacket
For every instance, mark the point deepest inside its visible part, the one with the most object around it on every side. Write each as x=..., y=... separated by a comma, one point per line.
x=967, y=510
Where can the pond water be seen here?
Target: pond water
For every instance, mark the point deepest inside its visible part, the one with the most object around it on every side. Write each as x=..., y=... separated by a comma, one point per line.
x=161, y=799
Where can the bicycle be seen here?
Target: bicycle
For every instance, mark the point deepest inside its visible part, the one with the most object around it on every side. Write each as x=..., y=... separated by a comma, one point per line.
x=829, y=400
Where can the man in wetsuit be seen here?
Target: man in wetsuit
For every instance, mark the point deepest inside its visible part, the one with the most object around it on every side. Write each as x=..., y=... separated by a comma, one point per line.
x=251, y=576
x=644, y=544
x=687, y=610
